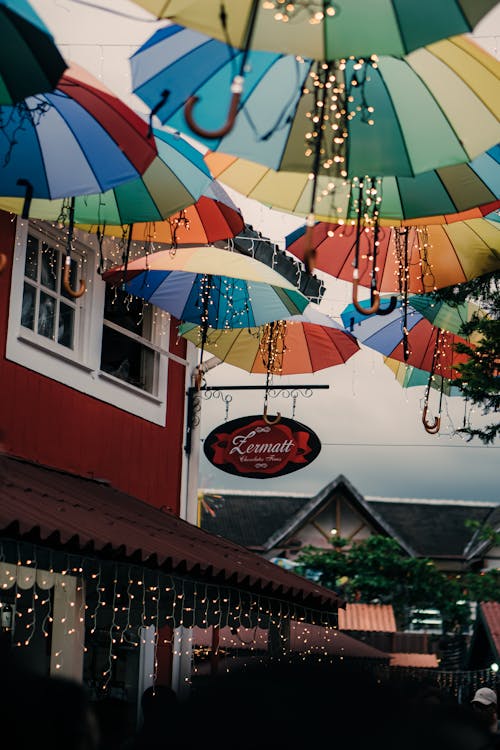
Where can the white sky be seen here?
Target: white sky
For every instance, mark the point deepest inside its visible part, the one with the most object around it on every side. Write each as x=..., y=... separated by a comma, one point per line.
x=368, y=425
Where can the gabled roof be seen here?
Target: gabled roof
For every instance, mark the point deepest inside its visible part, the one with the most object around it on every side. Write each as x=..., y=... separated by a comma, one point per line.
x=433, y=528
x=61, y=510
x=477, y=544
x=262, y=522
x=425, y=528
x=375, y=618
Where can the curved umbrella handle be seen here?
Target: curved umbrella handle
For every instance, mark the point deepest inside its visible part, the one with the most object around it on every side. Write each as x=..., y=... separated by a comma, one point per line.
x=268, y=420
x=430, y=428
x=236, y=90
x=390, y=307
x=66, y=284
x=3, y=262
x=375, y=297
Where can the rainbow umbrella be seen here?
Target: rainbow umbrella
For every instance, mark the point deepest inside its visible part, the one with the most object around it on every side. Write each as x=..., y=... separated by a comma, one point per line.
x=411, y=377
x=76, y=140
x=445, y=315
x=30, y=62
x=435, y=256
x=459, y=192
x=438, y=106
x=210, y=287
x=176, y=177
x=325, y=30
x=301, y=344
x=406, y=336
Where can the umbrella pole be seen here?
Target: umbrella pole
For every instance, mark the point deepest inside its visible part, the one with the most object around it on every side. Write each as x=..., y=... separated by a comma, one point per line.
x=236, y=86
x=393, y=300
x=375, y=300
x=271, y=329
x=433, y=428
x=67, y=262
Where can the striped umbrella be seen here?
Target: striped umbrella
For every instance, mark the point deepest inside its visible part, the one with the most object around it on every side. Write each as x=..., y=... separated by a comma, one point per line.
x=325, y=30
x=301, y=344
x=462, y=191
x=438, y=106
x=435, y=256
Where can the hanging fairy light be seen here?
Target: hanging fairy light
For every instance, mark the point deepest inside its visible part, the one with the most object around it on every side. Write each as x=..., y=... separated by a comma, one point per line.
x=285, y=11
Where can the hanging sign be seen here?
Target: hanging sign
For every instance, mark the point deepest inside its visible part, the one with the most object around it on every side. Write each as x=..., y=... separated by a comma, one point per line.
x=249, y=447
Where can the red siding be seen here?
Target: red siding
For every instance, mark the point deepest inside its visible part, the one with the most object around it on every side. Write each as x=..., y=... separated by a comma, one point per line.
x=52, y=424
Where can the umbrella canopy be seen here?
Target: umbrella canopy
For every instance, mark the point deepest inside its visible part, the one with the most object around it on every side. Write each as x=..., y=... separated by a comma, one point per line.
x=411, y=377
x=325, y=30
x=438, y=106
x=206, y=221
x=78, y=139
x=450, y=317
x=176, y=178
x=301, y=344
x=216, y=288
x=436, y=256
x=30, y=62
x=462, y=191
x=386, y=334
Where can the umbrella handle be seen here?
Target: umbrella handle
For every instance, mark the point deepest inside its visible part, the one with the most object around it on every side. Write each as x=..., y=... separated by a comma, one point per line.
x=3, y=262
x=268, y=420
x=390, y=307
x=309, y=250
x=375, y=296
x=236, y=90
x=66, y=284
x=430, y=428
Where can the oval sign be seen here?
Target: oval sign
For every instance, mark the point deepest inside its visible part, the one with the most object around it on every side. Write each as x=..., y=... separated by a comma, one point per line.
x=249, y=447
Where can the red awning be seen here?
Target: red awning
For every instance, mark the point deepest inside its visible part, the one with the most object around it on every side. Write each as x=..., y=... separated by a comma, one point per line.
x=56, y=508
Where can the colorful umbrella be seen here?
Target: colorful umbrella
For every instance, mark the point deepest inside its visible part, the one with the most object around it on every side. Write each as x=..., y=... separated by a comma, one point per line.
x=176, y=178
x=437, y=106
x=211, y=287
x=325, y=30
x=30, y=62
x=435, y=256
x=406, y=336
x=462, y=191
x=411, y=377
x=78, y=139
x=450, y=317
x=301, y=344
x=203, y=223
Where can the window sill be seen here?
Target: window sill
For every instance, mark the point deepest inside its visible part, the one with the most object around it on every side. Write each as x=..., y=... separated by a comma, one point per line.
x=49, y=347
x=129, y=387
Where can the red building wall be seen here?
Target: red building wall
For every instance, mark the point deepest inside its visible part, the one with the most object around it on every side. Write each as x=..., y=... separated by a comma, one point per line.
x=49, y=423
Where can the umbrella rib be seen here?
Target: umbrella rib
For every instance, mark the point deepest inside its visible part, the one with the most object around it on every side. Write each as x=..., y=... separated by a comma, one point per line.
x=400, y=28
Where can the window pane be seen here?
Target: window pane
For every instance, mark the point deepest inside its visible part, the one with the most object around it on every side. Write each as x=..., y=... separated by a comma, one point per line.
x=48, y=274
x=31, y=264
x=46, y=315
x=66, y=325
x=128, y=360
x=126, y=311
x=28, y=311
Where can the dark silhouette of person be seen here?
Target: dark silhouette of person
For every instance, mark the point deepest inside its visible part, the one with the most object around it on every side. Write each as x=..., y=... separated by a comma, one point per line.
x=312, y=704
x=159, y=706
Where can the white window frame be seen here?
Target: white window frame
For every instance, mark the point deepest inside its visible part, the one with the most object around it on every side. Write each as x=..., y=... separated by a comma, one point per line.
x=79, y=368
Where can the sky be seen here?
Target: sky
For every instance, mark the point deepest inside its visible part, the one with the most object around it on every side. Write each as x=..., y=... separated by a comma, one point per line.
x=369, y=427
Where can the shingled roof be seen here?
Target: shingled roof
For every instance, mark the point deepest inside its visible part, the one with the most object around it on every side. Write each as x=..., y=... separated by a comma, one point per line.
x=425, y=528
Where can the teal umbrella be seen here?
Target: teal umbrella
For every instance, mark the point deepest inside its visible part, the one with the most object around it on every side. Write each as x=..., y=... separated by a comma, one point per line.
x=30, y=62
x=438, y=106
x=326, y=29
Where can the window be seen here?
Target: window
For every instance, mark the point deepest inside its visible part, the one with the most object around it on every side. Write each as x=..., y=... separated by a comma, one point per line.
x=105, y=343
x=127, y=334
x=47, y=309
